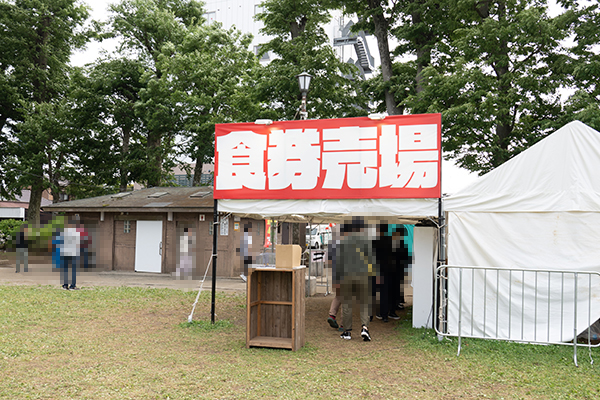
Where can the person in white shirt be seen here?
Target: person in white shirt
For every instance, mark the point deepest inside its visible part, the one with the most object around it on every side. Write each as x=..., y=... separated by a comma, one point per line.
x=70, y=247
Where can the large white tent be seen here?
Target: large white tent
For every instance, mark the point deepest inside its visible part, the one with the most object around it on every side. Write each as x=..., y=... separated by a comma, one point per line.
x=539, y=210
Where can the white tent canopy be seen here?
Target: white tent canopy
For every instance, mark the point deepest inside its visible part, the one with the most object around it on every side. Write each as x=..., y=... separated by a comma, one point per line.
x=560, y=173
x=332, y=210
x=539, y=210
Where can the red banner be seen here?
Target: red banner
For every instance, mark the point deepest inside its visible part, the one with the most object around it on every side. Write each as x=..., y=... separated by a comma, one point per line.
x=267, y=233
x=349, y=158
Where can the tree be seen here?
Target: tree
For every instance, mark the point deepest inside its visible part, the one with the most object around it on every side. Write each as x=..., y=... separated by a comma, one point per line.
x=301, y=45
x=110, y=152
x=377, y=17
x=497, y=80
x=150, y=30
x=584, y=103
x=209, y=77
x=42, y=34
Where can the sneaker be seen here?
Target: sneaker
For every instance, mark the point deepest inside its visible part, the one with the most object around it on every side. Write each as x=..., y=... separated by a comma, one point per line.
x=346, y=335
x=332, y=322
x=73, y=287
x=365, y=334
x=65, y=286
x=244, y=277
x=393, y=315
x=400, y=306
x=384, y=319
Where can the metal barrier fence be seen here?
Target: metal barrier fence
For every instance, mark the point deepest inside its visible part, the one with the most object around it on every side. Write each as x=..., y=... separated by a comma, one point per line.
x=518, y=305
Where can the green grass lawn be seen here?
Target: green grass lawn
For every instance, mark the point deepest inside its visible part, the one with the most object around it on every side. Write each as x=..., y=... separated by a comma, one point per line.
x=132, y=343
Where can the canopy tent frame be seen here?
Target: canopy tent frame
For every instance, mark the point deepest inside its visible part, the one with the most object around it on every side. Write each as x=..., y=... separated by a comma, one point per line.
x=389, y=169
x=335, y=217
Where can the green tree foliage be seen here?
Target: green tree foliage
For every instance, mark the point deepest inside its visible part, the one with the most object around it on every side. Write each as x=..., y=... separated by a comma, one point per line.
x=151, y=30
x=39, y=36
x=8, y=230
x=378, y=17
x=209, y=78
x=497, y=79
x=300, y=44
x=584, y=104
x=111, y=152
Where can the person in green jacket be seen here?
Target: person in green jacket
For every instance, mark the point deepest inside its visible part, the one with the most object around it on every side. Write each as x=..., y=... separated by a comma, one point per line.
x=355, y=264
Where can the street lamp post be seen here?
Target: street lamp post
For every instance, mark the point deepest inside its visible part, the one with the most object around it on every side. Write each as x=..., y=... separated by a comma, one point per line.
x=304, y=83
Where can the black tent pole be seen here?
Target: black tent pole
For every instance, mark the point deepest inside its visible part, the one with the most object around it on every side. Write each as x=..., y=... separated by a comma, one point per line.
x=214, y=261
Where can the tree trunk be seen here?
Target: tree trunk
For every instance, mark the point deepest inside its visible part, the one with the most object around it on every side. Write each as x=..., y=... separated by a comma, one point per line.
x=197, y=173
x=40, y=59
x=423, y=52
x=154, y=160
x=35, y=202
x=296, y=28
x=124, y=171
x=55, y=190
x=503, y=125
x=53, y=176
x=381, y=33
x=40, y=95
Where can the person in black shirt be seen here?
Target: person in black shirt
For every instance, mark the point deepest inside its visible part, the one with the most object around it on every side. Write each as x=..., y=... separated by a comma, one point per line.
x=22, y=246
x=392, y=257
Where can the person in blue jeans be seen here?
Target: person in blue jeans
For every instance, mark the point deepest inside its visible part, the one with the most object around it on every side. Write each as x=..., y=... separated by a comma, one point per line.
x=57, y=241
x=67, y=247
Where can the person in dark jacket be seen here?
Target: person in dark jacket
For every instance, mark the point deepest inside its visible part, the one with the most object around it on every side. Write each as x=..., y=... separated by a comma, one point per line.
x=22, y=247
x=355, y=264
x=392, y=257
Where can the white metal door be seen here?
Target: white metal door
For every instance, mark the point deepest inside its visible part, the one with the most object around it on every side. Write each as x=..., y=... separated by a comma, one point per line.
x=148, y=246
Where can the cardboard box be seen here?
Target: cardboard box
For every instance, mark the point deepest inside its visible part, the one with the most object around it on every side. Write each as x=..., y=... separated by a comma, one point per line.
x=287, y=255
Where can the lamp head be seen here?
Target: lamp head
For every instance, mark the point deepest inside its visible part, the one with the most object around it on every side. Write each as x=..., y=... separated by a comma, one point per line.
x=304, y=81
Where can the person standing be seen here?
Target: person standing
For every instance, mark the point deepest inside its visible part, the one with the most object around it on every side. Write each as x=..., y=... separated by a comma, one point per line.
x=331, y=260
x=57, y=240
x=69, y=252
x=184, y=269
x=355, y=264
x=246, y=249
x=390, y=254
x=382, y=246
x=22, y=247
x=403, y=255
x=86, y=242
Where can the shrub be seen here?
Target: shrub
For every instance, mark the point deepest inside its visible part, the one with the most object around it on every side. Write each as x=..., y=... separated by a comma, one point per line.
x=8, y=229
x=39, y=237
